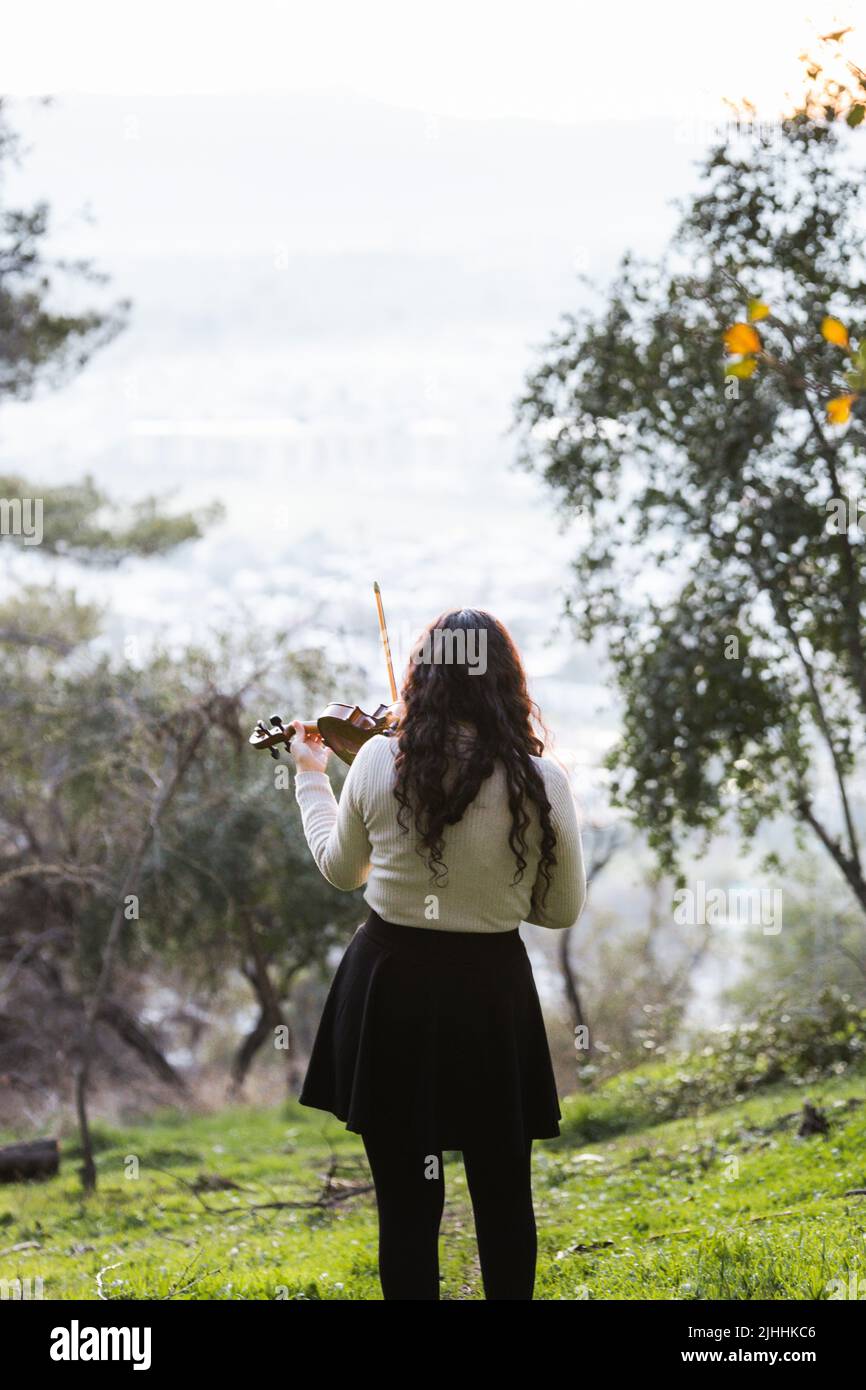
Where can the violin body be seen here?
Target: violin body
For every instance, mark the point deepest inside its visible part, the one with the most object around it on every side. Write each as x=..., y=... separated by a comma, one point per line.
x=344, y=728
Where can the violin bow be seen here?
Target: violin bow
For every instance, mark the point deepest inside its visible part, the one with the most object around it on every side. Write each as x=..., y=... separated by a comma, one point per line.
x=385, y=643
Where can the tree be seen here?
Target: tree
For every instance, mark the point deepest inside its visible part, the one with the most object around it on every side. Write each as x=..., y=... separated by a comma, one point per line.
x=821, y=947
x=52, y=813
x=741, y=660
x=138, y=833
x=234, y=888
x=602, y=841
x=37, y=341
x=141, y=840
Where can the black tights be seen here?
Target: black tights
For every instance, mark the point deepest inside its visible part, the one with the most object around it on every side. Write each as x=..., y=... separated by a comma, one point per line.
x=410, y=1194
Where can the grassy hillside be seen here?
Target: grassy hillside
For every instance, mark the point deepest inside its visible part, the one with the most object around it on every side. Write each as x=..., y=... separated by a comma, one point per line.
x=728, y=1205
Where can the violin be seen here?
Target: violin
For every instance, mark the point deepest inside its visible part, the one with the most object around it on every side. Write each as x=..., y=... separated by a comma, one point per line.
x=343, y=728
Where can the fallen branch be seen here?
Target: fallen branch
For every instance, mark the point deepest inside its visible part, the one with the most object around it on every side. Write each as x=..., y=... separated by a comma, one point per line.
x=329, y=1196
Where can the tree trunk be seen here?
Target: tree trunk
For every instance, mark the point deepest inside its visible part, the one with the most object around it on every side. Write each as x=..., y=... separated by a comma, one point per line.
x=606, y=843
x=270, y=1010
x=168, y=787
x=138, y=1038
x=569, y=980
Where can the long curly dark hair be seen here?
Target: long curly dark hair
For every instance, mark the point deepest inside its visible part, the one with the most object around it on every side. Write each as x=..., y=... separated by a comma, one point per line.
x=439, y=773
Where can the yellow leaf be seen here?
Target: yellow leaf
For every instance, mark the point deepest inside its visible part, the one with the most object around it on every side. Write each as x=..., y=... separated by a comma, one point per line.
x=742, y=337
x=757, y=310
x=839, y=409
x=743, y=368
x=834, y=331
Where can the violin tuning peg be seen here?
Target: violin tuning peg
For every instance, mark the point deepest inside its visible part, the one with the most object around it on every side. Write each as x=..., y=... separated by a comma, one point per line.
x=274, y=752
x=276, y=721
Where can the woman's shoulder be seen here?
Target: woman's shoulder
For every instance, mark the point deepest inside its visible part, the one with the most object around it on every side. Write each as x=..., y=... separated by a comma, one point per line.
x=565, y=806
x=556, y=780
x=550, y=770
x=377, y=752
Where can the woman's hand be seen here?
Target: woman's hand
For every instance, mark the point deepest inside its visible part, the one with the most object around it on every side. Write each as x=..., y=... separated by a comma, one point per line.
x=309, y=751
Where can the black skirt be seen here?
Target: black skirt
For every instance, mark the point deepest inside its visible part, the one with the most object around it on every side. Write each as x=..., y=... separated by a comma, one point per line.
x=436, y=1038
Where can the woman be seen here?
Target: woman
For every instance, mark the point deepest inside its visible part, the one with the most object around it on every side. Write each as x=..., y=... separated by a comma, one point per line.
x=432, y=1036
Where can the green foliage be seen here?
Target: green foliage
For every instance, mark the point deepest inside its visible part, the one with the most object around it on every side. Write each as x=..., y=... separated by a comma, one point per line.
x=37, y=616
x=227, y=879
x=39, y=342
x=232, y=880
x=724, y=731
x=820, y=946
x=81, y=522
x=782, y=1043
x=733, y=613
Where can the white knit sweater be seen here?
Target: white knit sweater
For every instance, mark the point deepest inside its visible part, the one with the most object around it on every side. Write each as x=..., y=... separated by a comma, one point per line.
x=359, y=841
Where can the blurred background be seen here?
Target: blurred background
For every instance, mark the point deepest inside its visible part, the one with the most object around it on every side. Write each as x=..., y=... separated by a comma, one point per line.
x=333, y=251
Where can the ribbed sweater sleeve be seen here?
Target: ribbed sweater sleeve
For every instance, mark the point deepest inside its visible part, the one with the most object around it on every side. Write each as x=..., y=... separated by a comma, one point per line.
x=566, y=894
x=336, y=832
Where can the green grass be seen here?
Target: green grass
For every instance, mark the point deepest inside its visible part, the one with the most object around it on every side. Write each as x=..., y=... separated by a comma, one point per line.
x=730, y=1205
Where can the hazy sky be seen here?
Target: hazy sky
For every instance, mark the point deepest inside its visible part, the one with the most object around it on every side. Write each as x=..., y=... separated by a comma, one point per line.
x=551, y=59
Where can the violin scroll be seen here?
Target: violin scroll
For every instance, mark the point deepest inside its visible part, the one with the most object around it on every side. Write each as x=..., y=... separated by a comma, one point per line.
x=275, y=732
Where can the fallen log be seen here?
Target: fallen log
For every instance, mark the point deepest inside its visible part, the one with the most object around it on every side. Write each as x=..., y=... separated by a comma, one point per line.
x=37, y=1159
